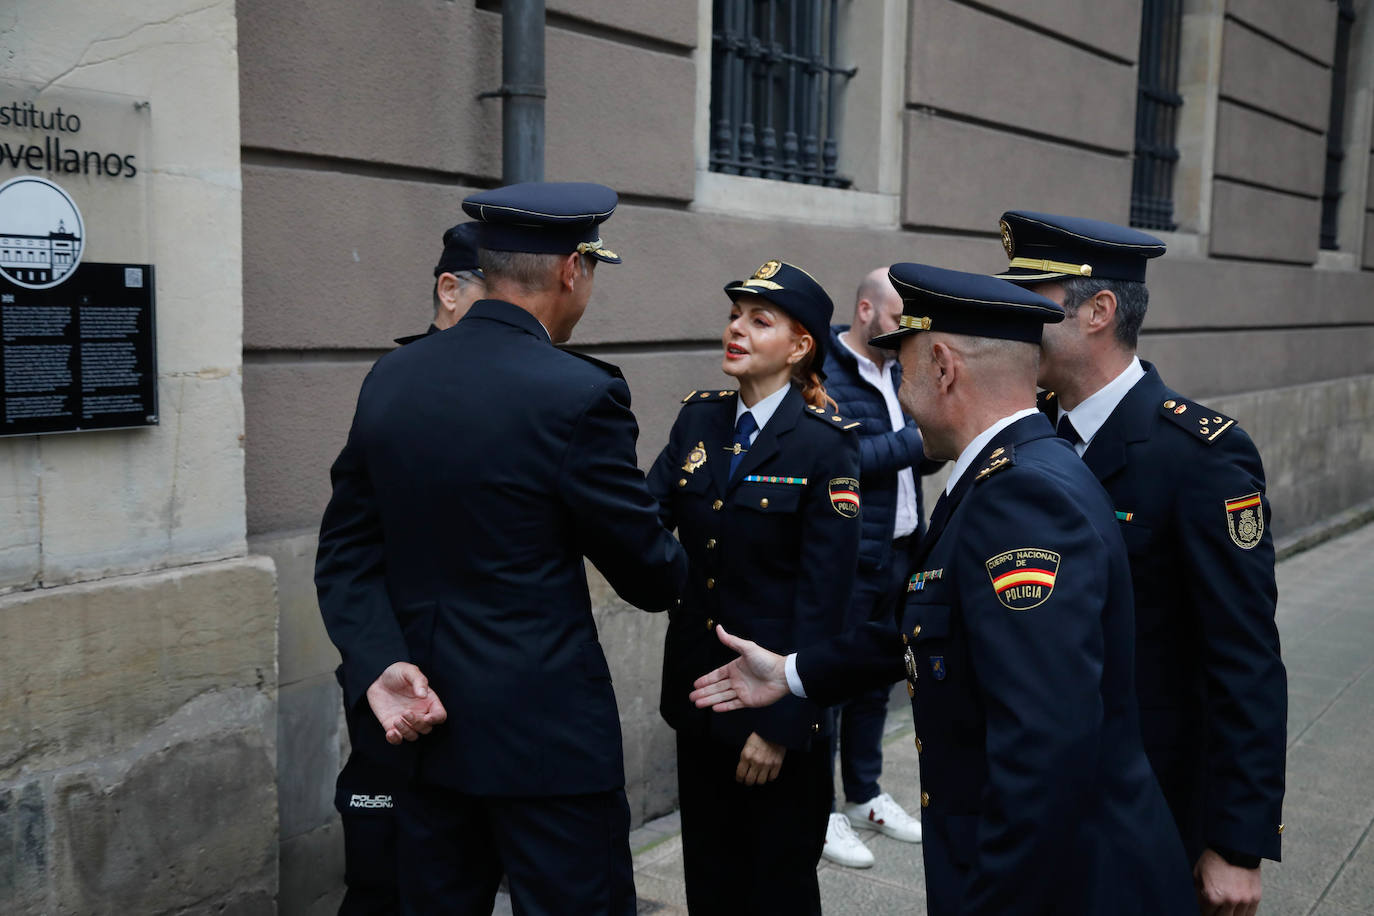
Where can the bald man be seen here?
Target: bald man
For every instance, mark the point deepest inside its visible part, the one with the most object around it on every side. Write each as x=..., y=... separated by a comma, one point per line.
x=863, y=380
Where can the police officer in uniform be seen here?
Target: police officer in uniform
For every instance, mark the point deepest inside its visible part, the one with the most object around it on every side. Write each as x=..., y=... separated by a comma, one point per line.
x=458, y=280
x=364, y=793
x=1187, y=489
x=1016, y=637
x=484, y=465
x=762, y=487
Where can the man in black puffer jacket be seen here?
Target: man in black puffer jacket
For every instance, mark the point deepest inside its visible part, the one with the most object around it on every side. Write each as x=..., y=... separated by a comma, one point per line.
x=864, y=380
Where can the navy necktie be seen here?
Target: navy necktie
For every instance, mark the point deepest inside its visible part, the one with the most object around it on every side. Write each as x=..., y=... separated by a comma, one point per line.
x=1066, y=430
x=744, y=428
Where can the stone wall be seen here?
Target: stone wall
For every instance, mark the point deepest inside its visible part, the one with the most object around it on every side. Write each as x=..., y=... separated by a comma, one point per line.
x=137, y=639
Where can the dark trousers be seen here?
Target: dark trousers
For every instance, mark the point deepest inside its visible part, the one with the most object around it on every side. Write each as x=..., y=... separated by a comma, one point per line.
x=751, y=849
x=857, y=732
x=564, y=854
x=365, y=799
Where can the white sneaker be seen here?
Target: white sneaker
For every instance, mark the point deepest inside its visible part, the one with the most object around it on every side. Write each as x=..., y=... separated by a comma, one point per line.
x=886, y=816
x=843, y=846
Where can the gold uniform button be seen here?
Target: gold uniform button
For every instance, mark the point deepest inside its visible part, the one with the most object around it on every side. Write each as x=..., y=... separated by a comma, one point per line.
x=716, y=505
x=925, y=799
x=710, y=543
x=682, y=482
x=918, y=744
x=904, y=640
x=710, y=583
x=917, y=631
x=710, y=624
x=1280, y=828
x=763, y=503
x=815, y=727
x=1169, y=405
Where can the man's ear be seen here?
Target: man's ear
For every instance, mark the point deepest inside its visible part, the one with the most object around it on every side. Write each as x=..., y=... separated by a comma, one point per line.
x=946, y=364
x=863, y=312
x=448, y=288
x=570, y=271
x=1101, y=311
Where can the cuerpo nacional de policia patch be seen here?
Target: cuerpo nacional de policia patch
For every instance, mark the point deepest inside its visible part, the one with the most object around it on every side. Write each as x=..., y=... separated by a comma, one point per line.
x=844, y=496
x=1245, y=520
x=1023, y=578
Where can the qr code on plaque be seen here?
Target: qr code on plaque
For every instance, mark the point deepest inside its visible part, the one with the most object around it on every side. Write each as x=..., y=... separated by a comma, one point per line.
x=133, y=277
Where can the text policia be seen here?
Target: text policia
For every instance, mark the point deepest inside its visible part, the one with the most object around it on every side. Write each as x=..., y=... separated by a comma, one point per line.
x=52, y=156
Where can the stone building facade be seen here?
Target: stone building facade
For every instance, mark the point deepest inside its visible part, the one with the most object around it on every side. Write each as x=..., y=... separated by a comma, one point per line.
x=309, y=155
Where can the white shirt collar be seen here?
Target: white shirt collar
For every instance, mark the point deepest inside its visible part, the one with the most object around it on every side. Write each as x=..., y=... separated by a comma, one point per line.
x=763, y=411
x=1087, y=418
x=980, y=441
x=864, y=360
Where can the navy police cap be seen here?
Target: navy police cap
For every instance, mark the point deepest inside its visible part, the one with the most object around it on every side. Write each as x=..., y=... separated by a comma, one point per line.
x=936, y=299
x=1044, y=247
x=797, y=293
x=460, y=251
x=544, y=217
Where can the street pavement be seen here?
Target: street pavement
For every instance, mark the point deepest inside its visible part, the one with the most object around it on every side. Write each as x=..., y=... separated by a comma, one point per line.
x=1326, y=622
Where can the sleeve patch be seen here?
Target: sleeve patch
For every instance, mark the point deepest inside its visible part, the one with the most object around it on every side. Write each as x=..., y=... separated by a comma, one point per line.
x=1245, y=520
x=844, y=496
x=1023, y=578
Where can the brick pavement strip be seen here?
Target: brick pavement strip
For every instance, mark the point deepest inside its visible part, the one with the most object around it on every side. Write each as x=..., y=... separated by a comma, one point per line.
x=1326, y=623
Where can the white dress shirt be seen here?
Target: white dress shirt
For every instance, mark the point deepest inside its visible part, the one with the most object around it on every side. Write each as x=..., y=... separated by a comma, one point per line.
x=1087, y=418
x=763, y=411
x=970, y=452
x=880, y=377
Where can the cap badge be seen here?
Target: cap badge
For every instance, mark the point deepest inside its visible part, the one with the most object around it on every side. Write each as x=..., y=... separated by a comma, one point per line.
x=1024, y=578
x=768, y=269
x=1006, y=238
x=1245, y=519
x=695, y=458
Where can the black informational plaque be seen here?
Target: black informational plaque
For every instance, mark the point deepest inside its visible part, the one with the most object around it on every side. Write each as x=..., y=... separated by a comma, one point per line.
x=79, y=355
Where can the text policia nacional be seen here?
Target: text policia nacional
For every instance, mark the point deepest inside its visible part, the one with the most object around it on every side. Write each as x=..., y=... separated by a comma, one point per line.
x=55, y=156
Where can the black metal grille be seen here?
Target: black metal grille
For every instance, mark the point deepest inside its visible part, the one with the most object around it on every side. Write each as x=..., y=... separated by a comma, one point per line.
x=1156, y=116
x=1335, y=139
x=774, y=87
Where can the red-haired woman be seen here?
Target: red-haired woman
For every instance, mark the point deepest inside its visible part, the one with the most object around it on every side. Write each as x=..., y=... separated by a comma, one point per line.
x=762, y=487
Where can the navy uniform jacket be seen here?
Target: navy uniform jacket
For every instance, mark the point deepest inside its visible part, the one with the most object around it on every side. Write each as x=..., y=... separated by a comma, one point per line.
x=483, y=465
x=1038, y=796
x=1188, y=489
x=773, y=550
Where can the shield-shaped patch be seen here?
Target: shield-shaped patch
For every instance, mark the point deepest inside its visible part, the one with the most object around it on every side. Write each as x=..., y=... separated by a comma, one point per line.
x=844, y=496
x=1024, y=578
x=1245, y=520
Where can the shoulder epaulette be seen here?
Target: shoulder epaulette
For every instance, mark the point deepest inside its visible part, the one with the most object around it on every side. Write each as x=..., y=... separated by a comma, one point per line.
x=698, y=396
x=1001, y=458
x=820, y=413
x=600, y=364
x=1203, y=422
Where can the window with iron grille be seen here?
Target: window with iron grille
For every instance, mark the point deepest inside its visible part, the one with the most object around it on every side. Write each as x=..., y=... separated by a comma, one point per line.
x=1335, y=139
x=775, y=88
x=1156, y=116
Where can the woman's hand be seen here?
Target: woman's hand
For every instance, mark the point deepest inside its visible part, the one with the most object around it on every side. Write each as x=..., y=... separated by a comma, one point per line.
x=759, y=761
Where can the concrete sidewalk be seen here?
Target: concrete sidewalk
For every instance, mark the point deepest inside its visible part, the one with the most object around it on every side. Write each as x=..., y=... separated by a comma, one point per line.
x=1326, y=620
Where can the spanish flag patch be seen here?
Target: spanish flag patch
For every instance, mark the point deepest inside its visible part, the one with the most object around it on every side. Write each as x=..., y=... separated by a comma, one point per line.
x=1024, y=578
x=1245, y=520
x=844, y=496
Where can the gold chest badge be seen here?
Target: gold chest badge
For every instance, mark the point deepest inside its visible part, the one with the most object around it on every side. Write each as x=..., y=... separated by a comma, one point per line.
x=695, y=458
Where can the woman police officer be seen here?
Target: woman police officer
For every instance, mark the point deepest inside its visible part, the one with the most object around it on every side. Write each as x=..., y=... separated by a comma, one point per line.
x=762, y=487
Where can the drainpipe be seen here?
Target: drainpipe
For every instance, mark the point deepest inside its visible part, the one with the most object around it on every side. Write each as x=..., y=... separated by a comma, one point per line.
x=522, y=91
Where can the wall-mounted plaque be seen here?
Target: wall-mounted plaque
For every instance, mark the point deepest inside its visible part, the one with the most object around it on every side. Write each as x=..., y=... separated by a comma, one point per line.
x=77, y=330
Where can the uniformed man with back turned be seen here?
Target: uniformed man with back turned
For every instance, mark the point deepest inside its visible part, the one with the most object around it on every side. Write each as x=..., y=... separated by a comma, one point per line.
x=1015, y=635
x=1188, y=492
x=483, y=467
